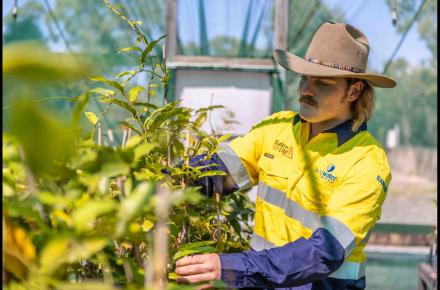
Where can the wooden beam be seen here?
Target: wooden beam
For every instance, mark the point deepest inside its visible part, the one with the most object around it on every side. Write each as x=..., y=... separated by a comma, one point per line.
x=222, y=63
x=281, y=22
x=171, y=30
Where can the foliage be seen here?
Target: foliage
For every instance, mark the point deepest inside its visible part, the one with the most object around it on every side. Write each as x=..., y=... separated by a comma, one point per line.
x=412, y=104
x=78, y=207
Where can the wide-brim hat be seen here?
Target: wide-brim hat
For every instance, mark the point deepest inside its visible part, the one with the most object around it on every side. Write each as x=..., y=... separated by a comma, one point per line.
x=336, y=50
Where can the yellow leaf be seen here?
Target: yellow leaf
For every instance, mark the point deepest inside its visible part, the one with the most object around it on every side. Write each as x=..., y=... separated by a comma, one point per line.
x=91, y=117
x=173, y=276
x=134, y=92
x=127, y=245
x=62, y=216
x=147, y=225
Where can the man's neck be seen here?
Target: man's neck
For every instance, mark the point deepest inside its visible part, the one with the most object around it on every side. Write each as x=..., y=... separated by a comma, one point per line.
x=316, y=128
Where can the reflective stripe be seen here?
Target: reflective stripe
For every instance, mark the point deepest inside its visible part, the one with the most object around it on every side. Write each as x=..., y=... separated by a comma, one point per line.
x=291, y=208
x=259, y=243
x=308, y=218
x=340, y=231
x=350, y=270
x=235, y=166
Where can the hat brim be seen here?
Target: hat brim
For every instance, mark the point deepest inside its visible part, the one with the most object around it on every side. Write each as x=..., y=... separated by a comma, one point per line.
x=299, y=65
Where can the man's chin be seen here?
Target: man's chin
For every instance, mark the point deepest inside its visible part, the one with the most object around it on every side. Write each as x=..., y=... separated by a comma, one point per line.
x=307, y=117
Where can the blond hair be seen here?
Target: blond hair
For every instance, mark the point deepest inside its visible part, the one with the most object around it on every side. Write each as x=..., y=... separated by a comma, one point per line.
x=362, y=108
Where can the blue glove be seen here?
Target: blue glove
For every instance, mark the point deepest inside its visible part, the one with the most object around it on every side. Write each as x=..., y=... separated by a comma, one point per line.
x=209, y=184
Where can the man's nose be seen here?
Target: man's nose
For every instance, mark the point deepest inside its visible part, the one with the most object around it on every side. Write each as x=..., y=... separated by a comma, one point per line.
x=307, y=88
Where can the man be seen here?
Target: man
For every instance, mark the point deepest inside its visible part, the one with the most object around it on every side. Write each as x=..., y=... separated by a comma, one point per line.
x=322, y=178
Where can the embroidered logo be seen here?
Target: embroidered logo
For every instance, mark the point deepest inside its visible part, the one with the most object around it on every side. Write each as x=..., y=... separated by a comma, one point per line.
x=327, y=175
x=382, y=183
x=331, y=167
x=283, y=148
x=268, y=155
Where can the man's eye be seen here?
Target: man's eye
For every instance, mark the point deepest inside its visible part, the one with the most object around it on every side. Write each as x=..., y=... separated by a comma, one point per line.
x=324, y=84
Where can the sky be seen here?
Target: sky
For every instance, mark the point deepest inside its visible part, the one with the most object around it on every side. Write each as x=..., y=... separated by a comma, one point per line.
x=373, y=17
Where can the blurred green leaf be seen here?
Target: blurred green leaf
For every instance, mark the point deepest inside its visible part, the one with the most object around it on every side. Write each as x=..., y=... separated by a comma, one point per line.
x=65, y=249
x=132, y=204
x=112, y=169
x=31, y=63
x=44, y=138
x=85, y=216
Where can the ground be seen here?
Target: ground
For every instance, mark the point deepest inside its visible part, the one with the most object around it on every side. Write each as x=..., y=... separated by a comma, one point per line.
x=410, y=200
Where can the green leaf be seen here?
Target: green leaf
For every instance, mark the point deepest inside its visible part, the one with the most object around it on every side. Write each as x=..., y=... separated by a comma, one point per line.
x=173, y=276
x=108, y=82
x=133, y=93
x=193, y=245
x=210, y=108
x=132, y=204
x=133, y=141
x=212, y=173
x=150, y=47
x=114, y=169
x=121, y=104
x=192, y=251
x=131, y=127
x=147, y=225
x=91, y=117
x=79, y=107
x=130, y=48
x=31, y=63
x=85, y=216
x=201, y=119
x=62, y=250
x=54, y=255
x=224, y=138
x=103, y=92
x=124, y=73
x=142, y=150
x=45, y=139
x=86, y=285
x=149, y=105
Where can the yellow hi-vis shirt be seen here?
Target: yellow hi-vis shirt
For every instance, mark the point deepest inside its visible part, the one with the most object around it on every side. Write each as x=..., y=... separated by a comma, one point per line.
x=338, y=181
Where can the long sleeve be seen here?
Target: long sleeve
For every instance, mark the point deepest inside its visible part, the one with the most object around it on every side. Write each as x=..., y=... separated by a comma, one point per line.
x=297, y=263
x=350, y=214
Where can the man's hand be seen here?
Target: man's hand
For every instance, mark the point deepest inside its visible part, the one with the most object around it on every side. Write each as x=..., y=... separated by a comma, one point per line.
x=199, y=268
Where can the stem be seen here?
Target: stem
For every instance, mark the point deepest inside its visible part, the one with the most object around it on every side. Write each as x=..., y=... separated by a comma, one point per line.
x=148, y=271
x=160, y=252
x=217, y=205
x=99, y=134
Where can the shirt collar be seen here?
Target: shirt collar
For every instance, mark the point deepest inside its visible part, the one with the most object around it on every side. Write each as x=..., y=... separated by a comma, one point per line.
x=342, y=131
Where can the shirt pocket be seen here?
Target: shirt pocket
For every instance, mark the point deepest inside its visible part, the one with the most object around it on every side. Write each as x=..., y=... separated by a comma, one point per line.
x=313, y=192
x=276, y=166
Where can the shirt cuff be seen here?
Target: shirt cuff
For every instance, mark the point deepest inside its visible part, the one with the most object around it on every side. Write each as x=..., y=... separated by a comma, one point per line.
x=233, y=269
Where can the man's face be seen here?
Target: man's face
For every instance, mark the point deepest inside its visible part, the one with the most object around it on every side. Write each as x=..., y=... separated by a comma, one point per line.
x=323, y=98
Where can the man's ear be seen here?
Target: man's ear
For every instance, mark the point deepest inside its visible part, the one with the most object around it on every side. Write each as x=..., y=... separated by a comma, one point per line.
x=355, y=90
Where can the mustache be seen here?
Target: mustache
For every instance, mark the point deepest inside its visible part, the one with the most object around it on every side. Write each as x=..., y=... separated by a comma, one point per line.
x=307, y=99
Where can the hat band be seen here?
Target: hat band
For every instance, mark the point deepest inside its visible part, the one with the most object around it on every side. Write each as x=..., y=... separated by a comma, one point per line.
x=335, y=65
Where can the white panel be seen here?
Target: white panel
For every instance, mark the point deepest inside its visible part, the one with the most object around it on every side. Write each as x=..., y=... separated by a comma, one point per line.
x=247, y=94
